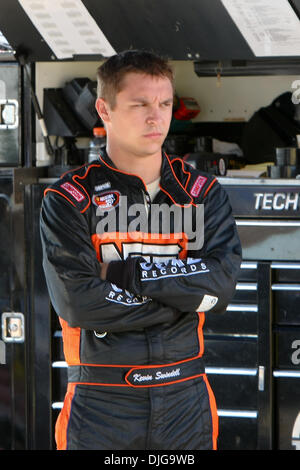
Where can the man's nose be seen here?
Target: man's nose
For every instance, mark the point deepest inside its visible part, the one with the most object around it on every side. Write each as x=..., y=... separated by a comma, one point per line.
x=154, y=115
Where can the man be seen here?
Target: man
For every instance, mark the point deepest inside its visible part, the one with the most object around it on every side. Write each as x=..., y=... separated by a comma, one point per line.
x=131, y=296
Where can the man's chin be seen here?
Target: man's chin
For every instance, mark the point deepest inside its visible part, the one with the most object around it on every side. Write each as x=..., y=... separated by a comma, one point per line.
x=152, y=148
x=151, y=153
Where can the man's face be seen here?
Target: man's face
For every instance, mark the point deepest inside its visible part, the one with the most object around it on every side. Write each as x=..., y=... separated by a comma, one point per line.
x=140, y=120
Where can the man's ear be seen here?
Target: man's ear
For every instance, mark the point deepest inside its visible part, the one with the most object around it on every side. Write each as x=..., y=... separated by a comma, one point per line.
x=102, y=109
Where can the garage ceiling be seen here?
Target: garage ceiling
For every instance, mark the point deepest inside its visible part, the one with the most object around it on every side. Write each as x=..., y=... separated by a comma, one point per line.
x=179, y=29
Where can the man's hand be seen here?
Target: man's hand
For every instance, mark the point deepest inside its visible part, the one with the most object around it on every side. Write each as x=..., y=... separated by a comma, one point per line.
x=103, y=267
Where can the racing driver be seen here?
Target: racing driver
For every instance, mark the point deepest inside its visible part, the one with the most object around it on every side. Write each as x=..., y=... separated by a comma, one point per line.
x=131, y=291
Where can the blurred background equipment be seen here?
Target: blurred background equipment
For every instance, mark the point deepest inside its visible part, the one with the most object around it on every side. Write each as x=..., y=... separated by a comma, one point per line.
x=70, y=114
x=271, y=127
x=185, y=108
x=287, y=163
x=81, y=94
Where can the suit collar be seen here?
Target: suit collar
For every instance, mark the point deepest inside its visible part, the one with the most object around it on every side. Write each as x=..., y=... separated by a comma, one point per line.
x=169, y=183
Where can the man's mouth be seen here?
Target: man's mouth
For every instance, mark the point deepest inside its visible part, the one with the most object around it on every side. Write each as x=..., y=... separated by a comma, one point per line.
x=153, y=135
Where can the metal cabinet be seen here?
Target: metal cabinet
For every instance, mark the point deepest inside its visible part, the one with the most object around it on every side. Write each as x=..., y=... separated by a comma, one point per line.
x=25, y=355
x=12, y=360
x=9, y=114
x=253, y=350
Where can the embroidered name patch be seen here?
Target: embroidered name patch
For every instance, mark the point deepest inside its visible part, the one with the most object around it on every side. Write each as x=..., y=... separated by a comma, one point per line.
x=198, y=185
x=77, y=195
x=159, y=375
x=155, y=376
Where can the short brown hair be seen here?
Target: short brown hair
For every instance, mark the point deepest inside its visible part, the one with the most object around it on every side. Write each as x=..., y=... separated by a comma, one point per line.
x=110, y=74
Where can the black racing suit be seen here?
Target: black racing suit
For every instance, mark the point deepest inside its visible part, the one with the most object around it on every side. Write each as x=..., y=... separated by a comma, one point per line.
x=134, y=342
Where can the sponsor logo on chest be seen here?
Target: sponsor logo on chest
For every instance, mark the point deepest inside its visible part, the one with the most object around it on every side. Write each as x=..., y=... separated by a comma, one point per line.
x=106, y=200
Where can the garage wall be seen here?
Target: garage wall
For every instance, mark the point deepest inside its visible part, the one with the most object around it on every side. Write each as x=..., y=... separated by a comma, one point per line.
x=237, y=98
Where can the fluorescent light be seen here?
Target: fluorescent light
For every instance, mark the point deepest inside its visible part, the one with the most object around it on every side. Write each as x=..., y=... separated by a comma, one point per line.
x=237, y=414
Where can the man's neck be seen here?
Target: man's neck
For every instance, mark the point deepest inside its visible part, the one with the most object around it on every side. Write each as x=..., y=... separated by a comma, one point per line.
x=146, y=167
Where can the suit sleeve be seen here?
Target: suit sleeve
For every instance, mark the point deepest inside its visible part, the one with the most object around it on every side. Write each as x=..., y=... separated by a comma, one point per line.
x=72, y=273
x=206, y=279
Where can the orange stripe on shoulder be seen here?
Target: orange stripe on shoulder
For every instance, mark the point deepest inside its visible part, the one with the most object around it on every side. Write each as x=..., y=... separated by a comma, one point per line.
x=58, y=192
x=71, y=171
x=75, y=179
x=183, y=187
x=209, y=187
x=73, y=190
x=183, y=169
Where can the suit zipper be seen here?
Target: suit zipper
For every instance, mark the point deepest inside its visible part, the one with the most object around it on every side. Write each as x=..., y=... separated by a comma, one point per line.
x=147, y=201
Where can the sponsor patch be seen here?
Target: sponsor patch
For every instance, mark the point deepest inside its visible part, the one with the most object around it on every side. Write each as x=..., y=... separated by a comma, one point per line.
x=101, y=187
x=107, y=200
x=198, y=185
x=77, y=195
x=173, y=268
x=123, y=297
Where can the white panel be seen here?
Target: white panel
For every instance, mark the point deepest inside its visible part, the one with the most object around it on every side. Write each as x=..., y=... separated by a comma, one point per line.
x=271, y=27
x=236, y=99
x=67, y=27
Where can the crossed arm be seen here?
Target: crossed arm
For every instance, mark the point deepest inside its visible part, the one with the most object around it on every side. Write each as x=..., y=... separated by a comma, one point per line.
x=83, y=291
